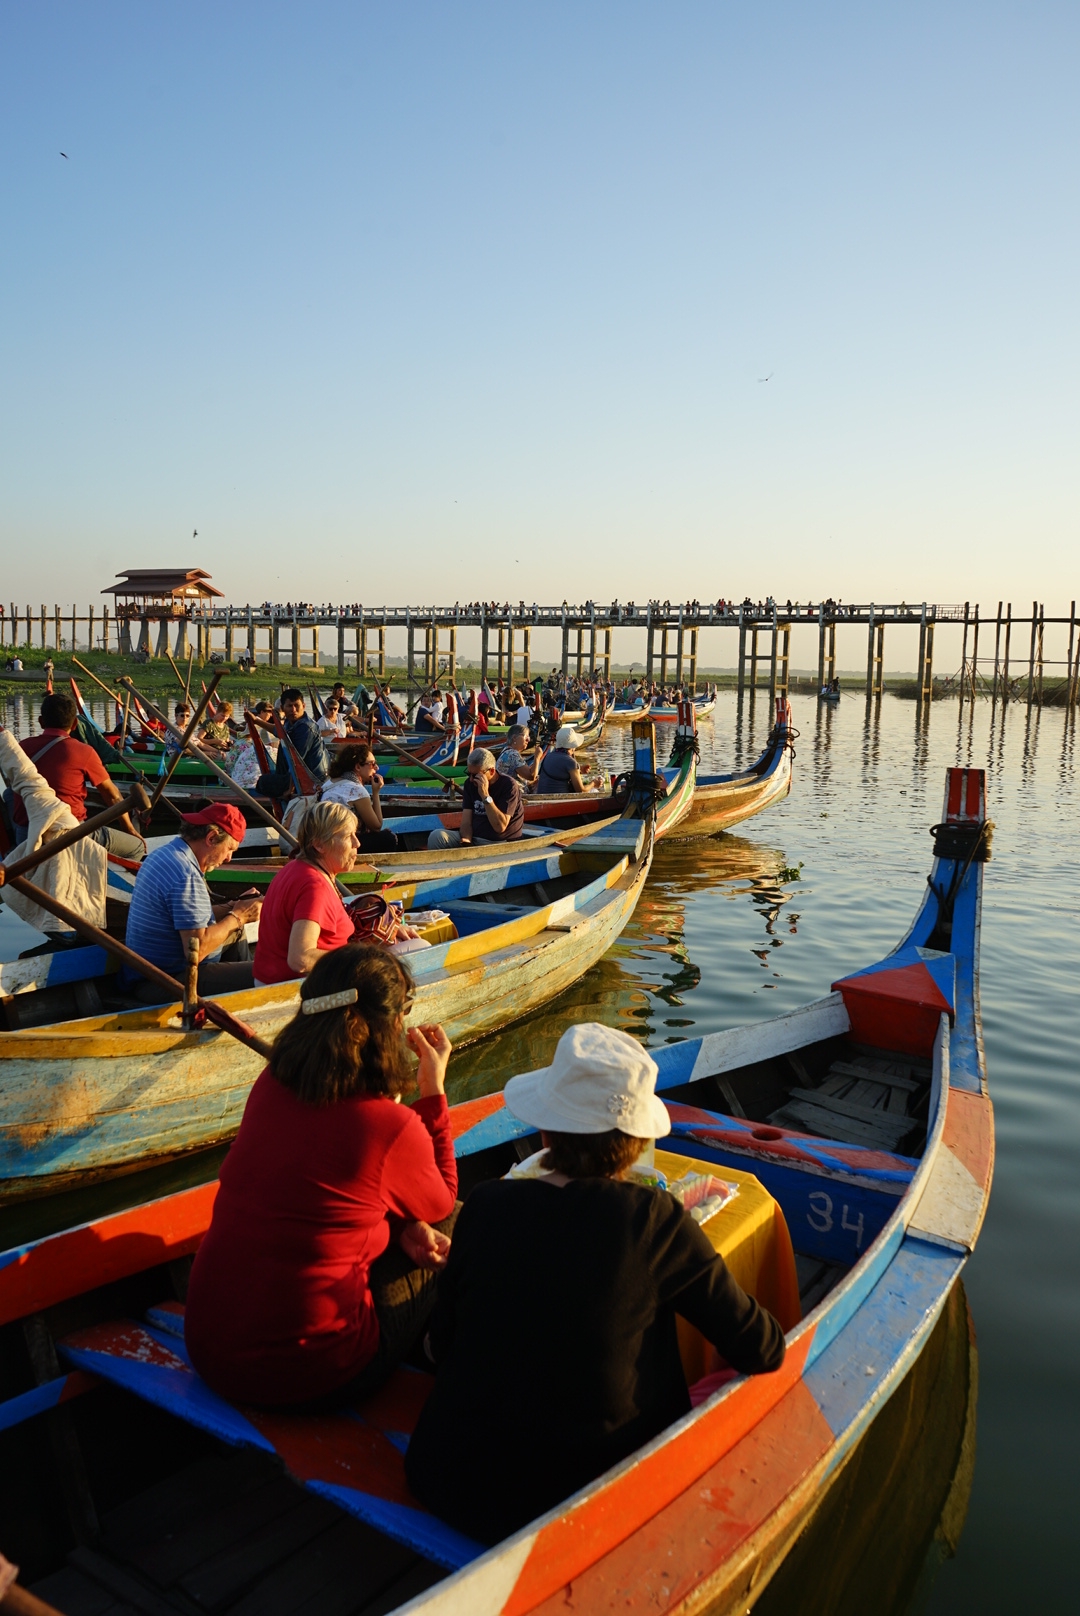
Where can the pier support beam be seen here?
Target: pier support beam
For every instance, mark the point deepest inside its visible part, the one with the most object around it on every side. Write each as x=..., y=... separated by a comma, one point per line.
x=361, y=650
x=1074, y=662
x=453, y=656
x=1031, y=654
x=607, y=656
x=879, y=660
x=295, y=641
x=693, y=661
x=663, y=654
x=526, y=653
x=997, y=655
x=592, y=647
x=821, y=648
x=485, y=634
x=753, y=658
x=679, y=652
x=580, y=650
x=510, y=652
x=974, y=656
x=830, y=660
x=785, y=659
x=410, y=662
x=742, y=653
x=773, y=650
x=1039, y=657
x=228, y=638
x=870, y=655
x=382, y=652
x=565, y=650
x=650, y=647
x=144, y=634
x=163, y=639
x=275, y=643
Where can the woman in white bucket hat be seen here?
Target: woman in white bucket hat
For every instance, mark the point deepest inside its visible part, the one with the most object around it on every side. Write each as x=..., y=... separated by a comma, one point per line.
x=559, y=1297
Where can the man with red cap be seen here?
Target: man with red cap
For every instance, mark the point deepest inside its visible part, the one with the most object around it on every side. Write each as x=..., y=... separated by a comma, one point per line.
x=171, y=904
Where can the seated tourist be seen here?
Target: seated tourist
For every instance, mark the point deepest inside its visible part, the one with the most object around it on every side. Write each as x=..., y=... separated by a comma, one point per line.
x=181, y=719
x=217, y=734
x=317, y=1274
x=170, y=905
x=355, y=781
x=492, y=809
x=303, y=916
x=511, y=759
x=559, y=771
x=246, y=767
x=332, y=724
x=69, y=766
x=569, y=1284
x=303, y=735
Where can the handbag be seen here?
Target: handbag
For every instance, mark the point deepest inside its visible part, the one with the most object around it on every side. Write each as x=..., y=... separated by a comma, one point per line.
x=375, y=919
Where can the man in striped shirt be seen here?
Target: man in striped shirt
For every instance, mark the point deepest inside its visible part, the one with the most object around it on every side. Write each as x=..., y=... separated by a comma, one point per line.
x=171, y=905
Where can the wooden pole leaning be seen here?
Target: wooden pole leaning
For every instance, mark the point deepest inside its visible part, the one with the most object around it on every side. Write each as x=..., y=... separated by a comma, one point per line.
x=185, y=739
x=262, y=814
x=215, y=1012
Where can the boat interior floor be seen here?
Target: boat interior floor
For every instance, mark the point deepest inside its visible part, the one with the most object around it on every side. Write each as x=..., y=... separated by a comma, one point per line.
x=836, y=1089
x=227, y=1533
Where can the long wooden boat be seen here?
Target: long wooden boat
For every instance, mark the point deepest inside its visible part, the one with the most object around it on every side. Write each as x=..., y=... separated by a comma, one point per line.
x=703, y=707
x=883, y=1196
x=724, y=800
x=104, y=1092
x=627, y=715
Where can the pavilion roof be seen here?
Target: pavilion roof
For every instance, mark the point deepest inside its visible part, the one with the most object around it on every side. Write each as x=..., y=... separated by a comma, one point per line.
x=156, y=583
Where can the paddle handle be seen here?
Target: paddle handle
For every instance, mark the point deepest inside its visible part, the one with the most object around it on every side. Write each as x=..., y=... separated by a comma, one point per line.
x=93, y=934
x=194, y=751
x=186, y=737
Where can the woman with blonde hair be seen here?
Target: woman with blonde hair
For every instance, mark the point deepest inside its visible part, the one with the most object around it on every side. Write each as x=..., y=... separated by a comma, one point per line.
x=303, y=916
x=317, y=1274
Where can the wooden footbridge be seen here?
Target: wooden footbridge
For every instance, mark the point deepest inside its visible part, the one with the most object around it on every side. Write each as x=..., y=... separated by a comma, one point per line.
x=289, y=636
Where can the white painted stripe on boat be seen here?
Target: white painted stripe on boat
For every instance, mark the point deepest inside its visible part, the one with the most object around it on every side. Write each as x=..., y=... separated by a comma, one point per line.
x=951, y=1206
x=479, y=1589
x=741, y=1046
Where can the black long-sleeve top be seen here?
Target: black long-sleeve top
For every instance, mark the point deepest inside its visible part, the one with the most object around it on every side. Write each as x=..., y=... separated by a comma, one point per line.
x=555, y=1343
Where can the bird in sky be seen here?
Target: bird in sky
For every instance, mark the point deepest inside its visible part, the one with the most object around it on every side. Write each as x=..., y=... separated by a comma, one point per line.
x=767, y=378
x=195, y=535
x=64, y=154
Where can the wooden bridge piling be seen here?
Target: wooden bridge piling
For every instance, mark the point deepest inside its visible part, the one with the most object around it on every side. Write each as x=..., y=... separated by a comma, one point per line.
x=742, y=652
x=821, y=648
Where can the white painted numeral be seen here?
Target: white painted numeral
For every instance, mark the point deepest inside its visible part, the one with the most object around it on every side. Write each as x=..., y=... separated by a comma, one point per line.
x=855, y=1228
x=822, y=1211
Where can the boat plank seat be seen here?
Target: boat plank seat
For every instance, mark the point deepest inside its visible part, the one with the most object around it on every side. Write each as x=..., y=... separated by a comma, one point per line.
x=353, y=1457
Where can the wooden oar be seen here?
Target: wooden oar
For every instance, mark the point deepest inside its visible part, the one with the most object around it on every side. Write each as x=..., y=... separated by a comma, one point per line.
x=186, y=737
x=93, y=934
x=402, y=752
x=262, y=814
x=135, y=799
x=176, y=670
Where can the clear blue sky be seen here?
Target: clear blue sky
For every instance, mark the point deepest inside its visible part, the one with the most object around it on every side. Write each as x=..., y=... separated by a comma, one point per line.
x=433, y=301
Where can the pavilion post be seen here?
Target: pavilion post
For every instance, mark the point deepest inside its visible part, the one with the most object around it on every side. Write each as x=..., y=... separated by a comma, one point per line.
x=180, y=649
x=163, y=638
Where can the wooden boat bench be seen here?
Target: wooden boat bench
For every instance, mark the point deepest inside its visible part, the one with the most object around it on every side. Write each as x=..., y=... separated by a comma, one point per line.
x=354, y=1456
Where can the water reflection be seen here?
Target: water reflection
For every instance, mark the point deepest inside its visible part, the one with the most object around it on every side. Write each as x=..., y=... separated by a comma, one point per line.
x=654, y=968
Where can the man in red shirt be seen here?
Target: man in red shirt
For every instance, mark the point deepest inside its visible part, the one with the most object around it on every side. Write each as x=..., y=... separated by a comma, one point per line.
x=69, y=767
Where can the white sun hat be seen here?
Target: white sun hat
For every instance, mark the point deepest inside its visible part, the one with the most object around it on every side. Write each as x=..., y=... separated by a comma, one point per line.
x=568, y=737
x=600, y=1079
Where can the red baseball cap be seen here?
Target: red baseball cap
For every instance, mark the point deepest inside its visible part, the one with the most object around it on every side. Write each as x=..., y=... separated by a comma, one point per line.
x=222, y=814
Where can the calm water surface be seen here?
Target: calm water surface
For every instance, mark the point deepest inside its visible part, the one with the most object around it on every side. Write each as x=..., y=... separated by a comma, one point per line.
x=724, y=934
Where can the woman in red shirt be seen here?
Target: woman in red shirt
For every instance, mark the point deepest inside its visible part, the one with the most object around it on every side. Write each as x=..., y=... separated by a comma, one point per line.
x=317, y=1274
x=303, y=916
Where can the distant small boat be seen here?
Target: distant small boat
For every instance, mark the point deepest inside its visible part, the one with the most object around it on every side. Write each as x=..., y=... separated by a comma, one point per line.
x=827, y=693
